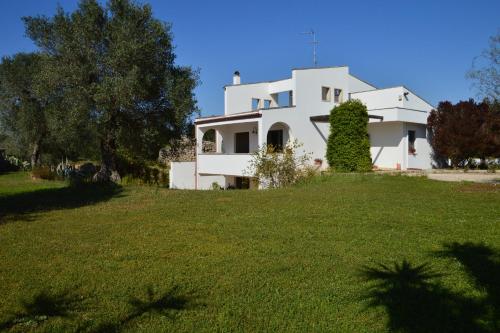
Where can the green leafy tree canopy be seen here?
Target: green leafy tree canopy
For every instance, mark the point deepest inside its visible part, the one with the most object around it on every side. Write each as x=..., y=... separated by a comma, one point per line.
x=115, y=64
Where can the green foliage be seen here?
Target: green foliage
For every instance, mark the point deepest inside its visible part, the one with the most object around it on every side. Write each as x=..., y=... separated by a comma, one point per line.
x=348, y=146
x=5, y=164
x=113, y=66
x=138, y=171
x=22, y=111
x=215, y=186
x=275, y=168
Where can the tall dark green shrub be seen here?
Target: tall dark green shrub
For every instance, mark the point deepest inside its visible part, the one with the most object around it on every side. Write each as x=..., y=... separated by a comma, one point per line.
x=348, y=144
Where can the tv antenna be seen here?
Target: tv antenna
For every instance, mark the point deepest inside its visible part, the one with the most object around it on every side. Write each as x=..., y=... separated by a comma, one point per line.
x=314, y=43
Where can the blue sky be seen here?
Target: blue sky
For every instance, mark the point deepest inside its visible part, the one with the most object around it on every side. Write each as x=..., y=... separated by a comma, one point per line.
x=425, y=45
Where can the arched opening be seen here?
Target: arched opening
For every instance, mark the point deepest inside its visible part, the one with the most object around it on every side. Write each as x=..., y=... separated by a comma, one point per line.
x=278, y=136
x=209, y=144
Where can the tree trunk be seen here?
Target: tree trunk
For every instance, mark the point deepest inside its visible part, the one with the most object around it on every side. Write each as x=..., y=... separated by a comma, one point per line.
x=108, y=172
x=35, y=154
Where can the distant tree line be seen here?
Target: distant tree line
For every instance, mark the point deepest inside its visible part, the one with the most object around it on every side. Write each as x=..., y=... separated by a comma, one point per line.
x=103, y=84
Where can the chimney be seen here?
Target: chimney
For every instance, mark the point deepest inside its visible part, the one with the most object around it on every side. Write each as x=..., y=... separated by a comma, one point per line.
x=236, y=78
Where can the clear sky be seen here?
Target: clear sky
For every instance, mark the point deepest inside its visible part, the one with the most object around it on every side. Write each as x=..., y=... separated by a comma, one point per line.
x=425, y=45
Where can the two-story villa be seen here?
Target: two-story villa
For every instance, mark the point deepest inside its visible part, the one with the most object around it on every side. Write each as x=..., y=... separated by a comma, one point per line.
x=274, y=112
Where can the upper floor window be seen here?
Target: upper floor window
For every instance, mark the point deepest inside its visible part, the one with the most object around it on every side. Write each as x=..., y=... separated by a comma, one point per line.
x=337, y=95
x=282, y=99
x=326, y=95
x=255, y=103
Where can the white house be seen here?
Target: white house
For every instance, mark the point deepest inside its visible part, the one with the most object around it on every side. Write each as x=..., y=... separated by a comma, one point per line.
x=274, y=112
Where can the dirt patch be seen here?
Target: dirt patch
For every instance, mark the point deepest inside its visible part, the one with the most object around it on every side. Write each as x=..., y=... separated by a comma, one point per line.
x=479, y=187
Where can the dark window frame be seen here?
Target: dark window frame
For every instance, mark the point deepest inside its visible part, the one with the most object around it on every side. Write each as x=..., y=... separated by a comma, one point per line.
x=237, y=147
x=278, y=147
x=412, y=137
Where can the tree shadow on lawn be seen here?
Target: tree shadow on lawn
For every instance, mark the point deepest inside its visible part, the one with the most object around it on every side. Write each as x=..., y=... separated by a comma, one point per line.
x=166, y=304
x=40, y=308
x=416, y=302
x=482, y=265
x=23, y=206
x=45, y=306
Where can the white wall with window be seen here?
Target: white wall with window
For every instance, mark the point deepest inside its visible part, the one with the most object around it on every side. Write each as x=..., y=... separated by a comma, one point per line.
x=419, y=151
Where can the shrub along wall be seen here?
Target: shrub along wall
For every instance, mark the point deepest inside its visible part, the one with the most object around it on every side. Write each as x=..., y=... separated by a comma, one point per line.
x=348, y=144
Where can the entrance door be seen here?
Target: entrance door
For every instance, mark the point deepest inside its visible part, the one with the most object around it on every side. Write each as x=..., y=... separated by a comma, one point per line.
x=242, y=143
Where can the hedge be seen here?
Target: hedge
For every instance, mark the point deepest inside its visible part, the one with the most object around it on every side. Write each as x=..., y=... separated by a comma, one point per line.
x=348, y=147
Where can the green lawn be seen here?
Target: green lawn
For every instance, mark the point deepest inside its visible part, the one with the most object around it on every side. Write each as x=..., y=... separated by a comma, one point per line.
x=345, y=253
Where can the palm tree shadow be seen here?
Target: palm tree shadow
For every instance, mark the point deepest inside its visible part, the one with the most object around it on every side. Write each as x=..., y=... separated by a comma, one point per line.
x=482, y=265
x=415, y=303
x=167, y=304
x=42, y=307
x=24, y=206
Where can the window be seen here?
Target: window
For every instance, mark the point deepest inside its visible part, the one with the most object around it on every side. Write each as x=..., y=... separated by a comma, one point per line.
x=411, y=142
x=242, y=143
x=255, y=103
x=267, y=103
x=326, y=95
x=275, y=139
x=337, y=95
x=284, y=98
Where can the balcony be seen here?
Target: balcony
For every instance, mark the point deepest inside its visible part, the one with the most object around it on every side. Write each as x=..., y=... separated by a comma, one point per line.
x=224, y=164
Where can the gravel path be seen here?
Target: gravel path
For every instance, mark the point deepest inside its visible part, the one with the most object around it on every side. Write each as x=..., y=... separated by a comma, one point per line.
x=464, y=176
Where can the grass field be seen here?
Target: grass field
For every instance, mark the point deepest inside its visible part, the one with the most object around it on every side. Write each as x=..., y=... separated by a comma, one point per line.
x=345, y=253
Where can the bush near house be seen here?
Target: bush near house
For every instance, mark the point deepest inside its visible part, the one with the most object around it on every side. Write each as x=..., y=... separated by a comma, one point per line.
x=463, y=131
x=348, y=146
x=275, y=168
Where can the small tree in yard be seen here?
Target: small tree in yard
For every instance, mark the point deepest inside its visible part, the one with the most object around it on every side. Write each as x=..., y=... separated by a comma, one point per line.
x=465, y=130
x=278, y=168
x=348, y=147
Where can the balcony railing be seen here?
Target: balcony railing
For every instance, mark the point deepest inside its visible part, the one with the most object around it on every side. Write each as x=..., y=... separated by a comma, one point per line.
x=224, y=164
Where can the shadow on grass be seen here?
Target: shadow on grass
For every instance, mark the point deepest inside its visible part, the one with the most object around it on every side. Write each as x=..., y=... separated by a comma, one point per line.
x=166, y=304
x=40, y=308
x=482, y=265
x=416, y=302
x=22, y=206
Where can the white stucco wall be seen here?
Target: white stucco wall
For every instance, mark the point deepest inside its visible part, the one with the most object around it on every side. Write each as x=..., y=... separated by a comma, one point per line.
x=308, y=89
x=205, y=181
x=386, y=141
x=238, y=98
x=224, y=164
x=357, y=85
x=182, y=175
x=423, y=158
x=381, y=98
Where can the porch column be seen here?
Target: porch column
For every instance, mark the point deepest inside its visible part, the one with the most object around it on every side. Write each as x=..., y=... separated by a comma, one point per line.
x=260, y=133
x=199, y=139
